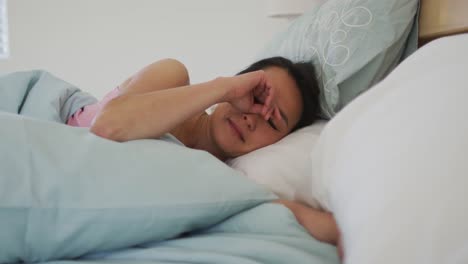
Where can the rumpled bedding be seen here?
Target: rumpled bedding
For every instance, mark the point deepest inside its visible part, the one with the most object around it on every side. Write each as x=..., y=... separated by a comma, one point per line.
x=67, y=195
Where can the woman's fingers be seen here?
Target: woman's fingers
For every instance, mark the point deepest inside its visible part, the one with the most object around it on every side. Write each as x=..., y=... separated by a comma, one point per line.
x=260, y=96
x=268, y=114
x=256, y=109
x=265, y=110
x=277, y=113
x=269, y=97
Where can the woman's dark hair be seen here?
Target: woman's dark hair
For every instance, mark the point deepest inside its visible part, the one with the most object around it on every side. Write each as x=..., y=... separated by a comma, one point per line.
x=304, y=75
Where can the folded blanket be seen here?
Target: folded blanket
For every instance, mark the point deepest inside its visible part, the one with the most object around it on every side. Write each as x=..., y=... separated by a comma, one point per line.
x=41, y=95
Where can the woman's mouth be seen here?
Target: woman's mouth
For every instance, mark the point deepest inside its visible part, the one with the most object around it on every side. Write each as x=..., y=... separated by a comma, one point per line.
x=236, y=129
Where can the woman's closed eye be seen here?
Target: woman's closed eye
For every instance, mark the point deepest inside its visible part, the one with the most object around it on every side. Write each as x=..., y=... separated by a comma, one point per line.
x=270, y=122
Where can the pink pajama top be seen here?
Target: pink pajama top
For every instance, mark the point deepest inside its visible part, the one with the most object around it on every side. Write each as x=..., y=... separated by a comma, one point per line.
x=84, y=116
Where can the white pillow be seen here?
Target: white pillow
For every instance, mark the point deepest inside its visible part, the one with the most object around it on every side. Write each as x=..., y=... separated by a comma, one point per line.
x=393, y=164
x=284, y=167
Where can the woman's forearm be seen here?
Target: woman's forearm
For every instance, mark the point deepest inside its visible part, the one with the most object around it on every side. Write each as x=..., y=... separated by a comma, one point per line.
x=150, y=115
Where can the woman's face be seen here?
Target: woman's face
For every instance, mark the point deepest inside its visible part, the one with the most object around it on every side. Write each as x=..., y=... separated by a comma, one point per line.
x=237, y=133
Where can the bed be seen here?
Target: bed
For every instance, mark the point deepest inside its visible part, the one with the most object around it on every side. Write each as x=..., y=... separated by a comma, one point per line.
x=388, y=160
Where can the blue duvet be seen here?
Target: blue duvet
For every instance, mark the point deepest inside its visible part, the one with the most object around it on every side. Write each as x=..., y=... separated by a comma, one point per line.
x=67, y=195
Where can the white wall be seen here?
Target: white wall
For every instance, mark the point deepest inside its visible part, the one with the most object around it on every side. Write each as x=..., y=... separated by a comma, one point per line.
x=96, y=44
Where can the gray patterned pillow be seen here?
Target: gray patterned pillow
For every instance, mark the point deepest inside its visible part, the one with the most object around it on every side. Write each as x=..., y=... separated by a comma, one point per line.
x=352, y=43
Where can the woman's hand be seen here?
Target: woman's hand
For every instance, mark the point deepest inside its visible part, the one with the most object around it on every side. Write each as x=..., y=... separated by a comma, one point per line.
x=321, y=225
x=251, y=93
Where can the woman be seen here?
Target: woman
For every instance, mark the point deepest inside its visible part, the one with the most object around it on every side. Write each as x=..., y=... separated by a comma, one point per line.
x=256, y=108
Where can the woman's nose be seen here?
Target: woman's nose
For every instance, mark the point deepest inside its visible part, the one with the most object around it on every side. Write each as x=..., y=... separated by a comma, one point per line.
x=251, y=121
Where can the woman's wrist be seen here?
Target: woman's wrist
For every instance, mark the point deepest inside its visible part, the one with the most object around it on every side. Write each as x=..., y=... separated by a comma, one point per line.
x=222, y=84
